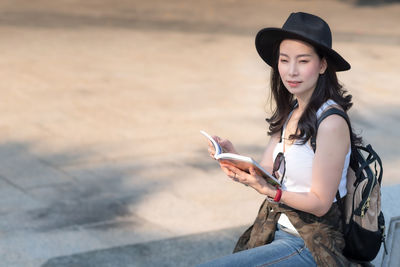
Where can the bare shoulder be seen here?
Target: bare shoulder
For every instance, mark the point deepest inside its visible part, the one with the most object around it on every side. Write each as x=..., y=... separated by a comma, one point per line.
x=334, y=125
x=333, y=141
x=333, y=122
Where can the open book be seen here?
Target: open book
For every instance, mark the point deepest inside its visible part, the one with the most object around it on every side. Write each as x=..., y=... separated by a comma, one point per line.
x=241, y=162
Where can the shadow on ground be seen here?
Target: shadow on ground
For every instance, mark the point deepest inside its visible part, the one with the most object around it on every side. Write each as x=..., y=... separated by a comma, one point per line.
x=66, y=190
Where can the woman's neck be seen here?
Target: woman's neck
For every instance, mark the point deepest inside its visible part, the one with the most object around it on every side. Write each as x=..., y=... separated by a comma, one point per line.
x=303, y=100
x=301, y=105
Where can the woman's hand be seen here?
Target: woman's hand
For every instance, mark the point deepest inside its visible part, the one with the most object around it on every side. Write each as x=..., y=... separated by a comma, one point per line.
x=225, y=144
x=252, y=179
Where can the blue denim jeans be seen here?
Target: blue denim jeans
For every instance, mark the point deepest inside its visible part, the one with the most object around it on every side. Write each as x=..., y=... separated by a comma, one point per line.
x=285, y=250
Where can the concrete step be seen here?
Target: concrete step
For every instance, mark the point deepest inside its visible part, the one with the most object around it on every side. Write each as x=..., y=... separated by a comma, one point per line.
x=182, y=251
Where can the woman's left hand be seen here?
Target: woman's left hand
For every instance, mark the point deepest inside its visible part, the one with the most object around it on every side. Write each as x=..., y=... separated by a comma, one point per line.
x=252, y=179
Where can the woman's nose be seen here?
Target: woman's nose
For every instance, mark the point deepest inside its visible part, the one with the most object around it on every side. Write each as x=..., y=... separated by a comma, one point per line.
x=293, y=70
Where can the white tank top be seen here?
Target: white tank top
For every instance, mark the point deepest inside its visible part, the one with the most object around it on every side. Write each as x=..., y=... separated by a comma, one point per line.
x=299, y=160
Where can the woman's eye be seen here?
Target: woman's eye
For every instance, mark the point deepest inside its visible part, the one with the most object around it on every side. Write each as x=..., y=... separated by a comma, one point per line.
x=303, y=61
x=283, y=60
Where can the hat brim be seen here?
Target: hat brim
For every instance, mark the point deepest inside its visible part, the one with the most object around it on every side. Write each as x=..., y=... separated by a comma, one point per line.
x=268, y=37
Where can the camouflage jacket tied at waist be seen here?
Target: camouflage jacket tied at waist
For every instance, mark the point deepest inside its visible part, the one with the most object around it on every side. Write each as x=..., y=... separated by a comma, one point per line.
x=322, y=235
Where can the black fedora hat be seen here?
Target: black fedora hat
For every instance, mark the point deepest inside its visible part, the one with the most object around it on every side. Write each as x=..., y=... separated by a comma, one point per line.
x=305, y=27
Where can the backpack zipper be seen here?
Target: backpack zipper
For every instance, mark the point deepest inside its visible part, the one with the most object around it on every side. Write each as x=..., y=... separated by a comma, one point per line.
x=365, y=206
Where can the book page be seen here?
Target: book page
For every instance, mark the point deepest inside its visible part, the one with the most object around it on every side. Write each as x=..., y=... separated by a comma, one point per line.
x=217, y=147
x=241, y=162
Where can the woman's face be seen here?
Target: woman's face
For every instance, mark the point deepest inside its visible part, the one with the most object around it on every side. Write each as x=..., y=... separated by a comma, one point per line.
x=299, y=67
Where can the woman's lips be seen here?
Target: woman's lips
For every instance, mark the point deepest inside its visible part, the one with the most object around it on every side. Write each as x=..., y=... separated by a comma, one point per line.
x=293, y=83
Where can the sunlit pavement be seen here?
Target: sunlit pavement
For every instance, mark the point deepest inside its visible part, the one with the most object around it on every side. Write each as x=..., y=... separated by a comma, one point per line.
x=101, y=160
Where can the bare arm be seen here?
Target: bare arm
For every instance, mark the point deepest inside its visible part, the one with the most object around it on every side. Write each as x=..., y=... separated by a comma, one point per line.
x=333, y=142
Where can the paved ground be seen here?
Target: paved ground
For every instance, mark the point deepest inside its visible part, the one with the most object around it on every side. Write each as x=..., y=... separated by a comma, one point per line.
x=101, y=160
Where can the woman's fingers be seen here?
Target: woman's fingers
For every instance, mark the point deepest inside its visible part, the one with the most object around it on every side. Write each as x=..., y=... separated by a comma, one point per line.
x=248, y=179
x=254, y=174
x=225, y=144
x=211, y=149
x=252, y=171
x=236, y=174
x=228, y=171
x=216, y=138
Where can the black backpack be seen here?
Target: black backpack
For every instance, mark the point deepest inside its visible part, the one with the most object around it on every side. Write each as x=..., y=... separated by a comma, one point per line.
x=363, y=220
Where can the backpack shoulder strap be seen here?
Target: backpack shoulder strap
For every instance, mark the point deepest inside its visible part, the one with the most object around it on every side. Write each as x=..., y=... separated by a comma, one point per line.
x=324, y=115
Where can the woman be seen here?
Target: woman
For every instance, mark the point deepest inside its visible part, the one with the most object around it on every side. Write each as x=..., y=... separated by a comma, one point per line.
x=299, y=224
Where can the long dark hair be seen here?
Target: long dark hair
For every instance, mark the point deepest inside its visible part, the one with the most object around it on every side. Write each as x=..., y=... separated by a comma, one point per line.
x=328, y=87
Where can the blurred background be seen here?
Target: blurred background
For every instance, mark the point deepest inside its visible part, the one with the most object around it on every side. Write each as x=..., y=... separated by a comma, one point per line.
x=101, y=103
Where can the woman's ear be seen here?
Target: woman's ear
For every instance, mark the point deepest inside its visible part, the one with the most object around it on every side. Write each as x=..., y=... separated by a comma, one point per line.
x=323, y=66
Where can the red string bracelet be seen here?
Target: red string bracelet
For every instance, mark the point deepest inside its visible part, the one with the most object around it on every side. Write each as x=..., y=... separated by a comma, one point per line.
x=278, y=195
